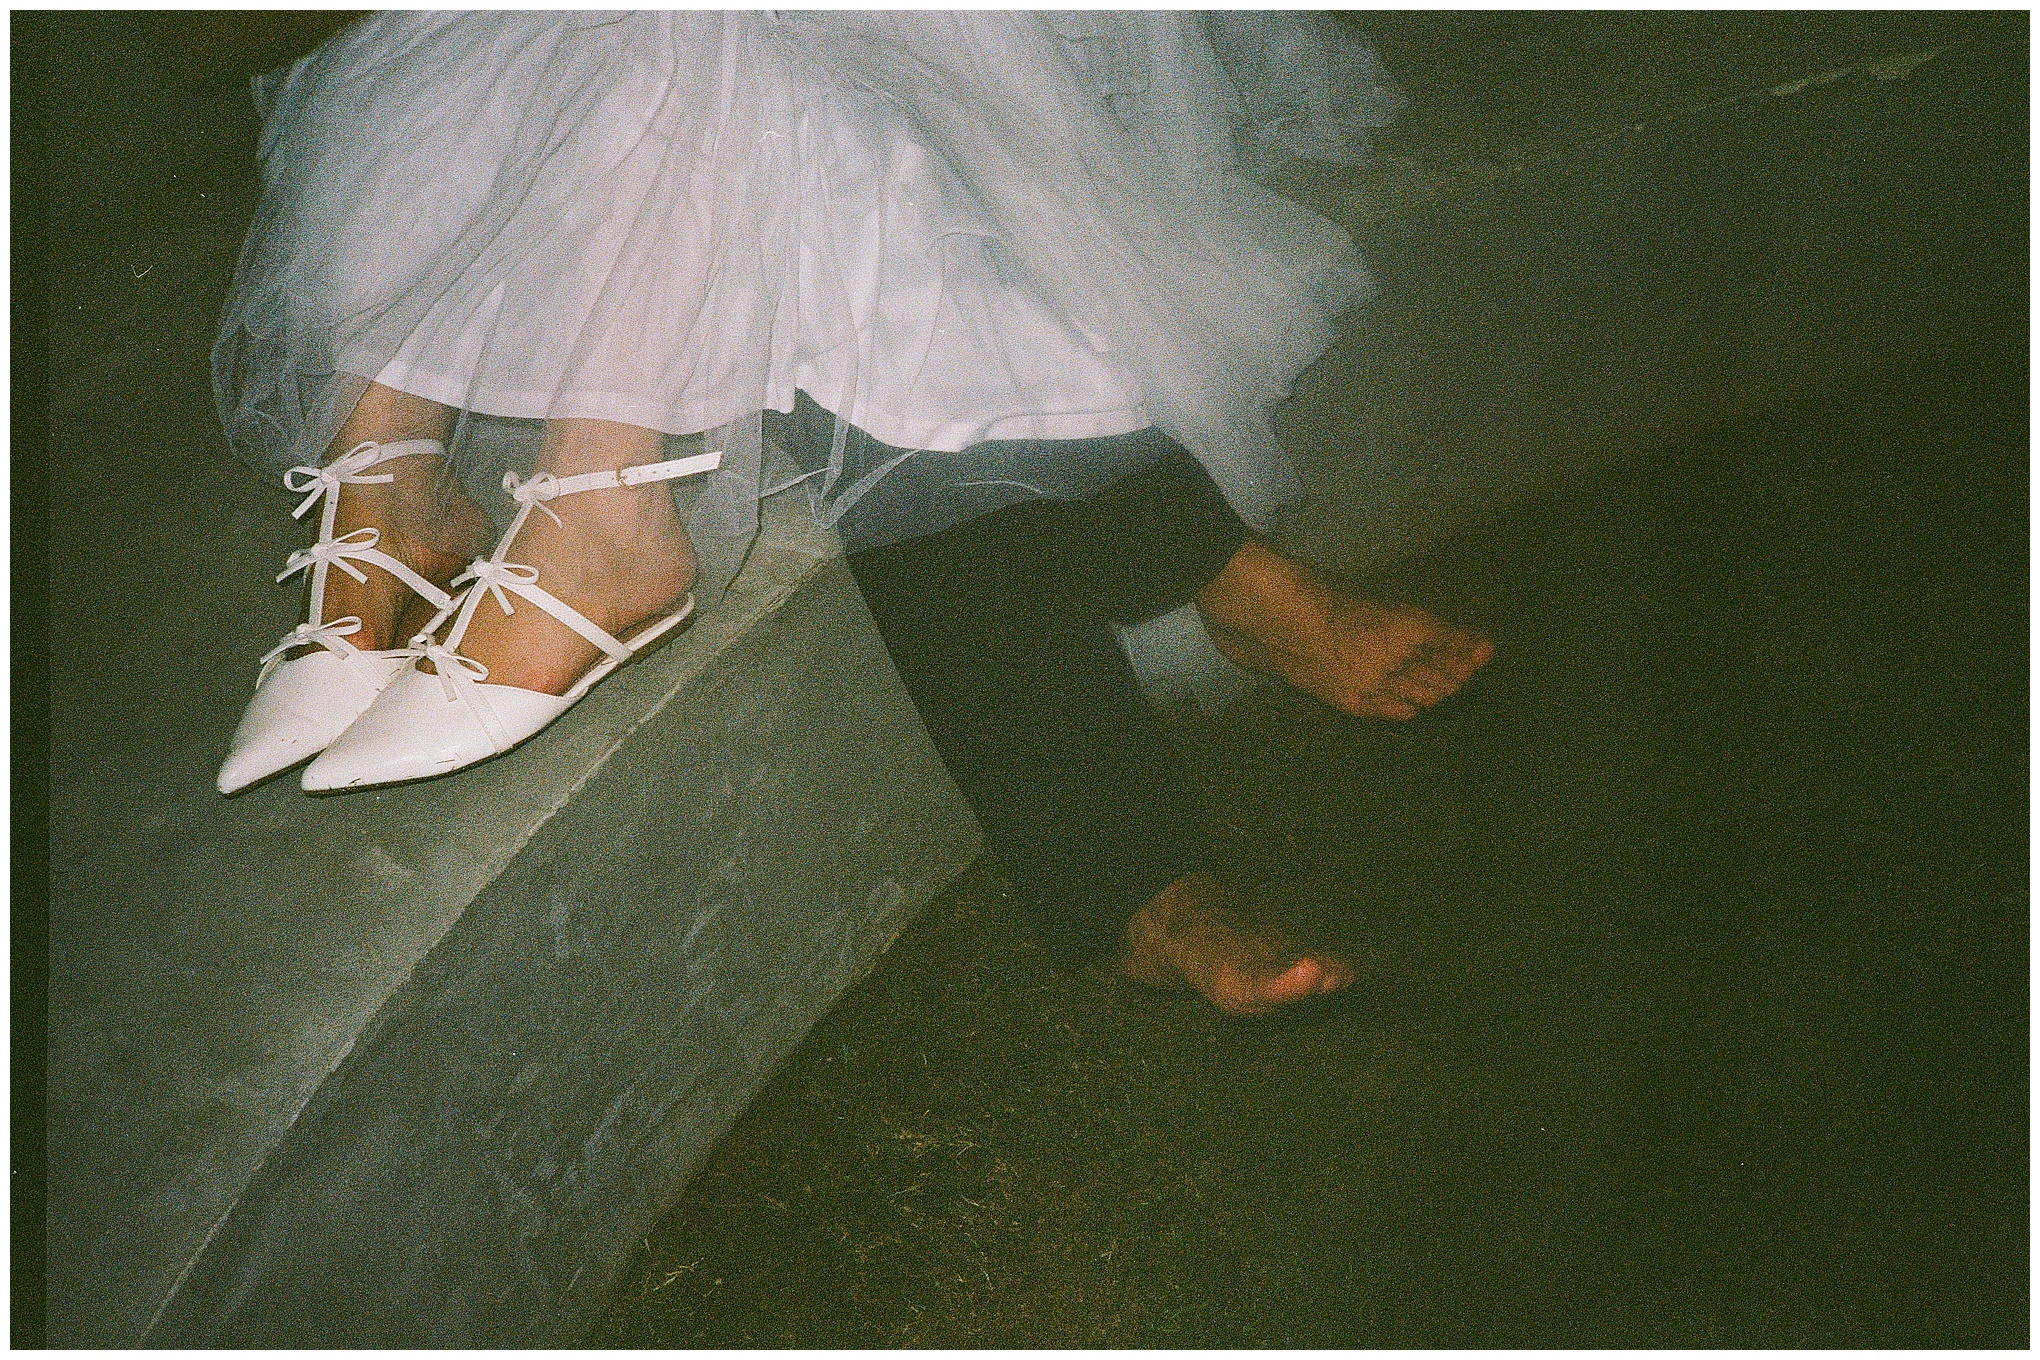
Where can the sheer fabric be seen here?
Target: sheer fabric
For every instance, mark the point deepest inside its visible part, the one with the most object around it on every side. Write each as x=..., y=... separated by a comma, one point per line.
x=945, y=228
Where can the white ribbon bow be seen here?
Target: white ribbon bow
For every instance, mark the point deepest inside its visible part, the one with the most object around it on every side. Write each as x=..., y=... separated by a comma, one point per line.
x=335, y=551
x=342, y=471
x=327, y=635
x=492, y=576
x=456, y=672
x=535, y=492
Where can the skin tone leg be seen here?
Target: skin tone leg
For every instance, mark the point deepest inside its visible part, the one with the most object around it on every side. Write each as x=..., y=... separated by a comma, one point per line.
x=620, y=556
x=1269, y=613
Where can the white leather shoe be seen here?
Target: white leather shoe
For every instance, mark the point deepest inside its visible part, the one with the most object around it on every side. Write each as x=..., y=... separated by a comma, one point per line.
x=302, y=704
x=424, y=724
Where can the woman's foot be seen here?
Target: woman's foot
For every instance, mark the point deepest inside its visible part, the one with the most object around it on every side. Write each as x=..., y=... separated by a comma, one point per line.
x=422, y=517
x=618, y=555
x=329, y=669
x=1269, y=613
x=1193, y=934
x=611, y=558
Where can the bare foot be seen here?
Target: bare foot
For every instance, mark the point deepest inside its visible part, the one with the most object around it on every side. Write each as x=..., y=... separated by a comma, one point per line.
x=1192, y=934
x=1269, y=613
x=619, y=555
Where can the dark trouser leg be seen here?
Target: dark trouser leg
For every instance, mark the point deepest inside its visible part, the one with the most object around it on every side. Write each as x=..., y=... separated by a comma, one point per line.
x=1000, y=630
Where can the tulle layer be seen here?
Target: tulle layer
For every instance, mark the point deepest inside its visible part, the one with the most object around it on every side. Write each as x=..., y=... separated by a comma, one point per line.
x=946, y=228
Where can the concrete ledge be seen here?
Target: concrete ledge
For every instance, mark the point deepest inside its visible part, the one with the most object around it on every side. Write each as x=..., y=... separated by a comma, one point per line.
x=522, y=1109
x=1607, y=296
x=279, y=1106
x=1602, y=298
x=227, y=976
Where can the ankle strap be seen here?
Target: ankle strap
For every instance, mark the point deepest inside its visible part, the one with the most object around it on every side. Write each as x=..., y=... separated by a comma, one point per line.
x=403, y=448
x=545, y=486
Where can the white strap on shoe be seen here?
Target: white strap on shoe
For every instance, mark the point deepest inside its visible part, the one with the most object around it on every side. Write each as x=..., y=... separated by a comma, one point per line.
x=492, y=576
x=545, y=486
x=518, y=579
x=326, y=481
x=458, y=675
x=349, y=469
x=343, y=552
x=332, y=636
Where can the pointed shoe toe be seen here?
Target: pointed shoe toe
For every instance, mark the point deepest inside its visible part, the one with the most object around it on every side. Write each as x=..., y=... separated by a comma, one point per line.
x=414, y=730
x=433, y=723
x=298, y=710
x=302, y=704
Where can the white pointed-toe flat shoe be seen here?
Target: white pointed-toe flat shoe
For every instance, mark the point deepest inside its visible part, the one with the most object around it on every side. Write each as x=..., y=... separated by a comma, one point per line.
x=425, y=724
x=302, y=704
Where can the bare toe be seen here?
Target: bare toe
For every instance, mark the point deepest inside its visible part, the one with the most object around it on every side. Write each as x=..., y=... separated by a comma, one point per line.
x=1247, y=994
x=1460, y=654
x=1193, y=935
x=1422, y=684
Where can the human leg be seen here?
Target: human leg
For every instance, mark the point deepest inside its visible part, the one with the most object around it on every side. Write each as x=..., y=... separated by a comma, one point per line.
x=618, y=555
x=420, y=516
x=999, y=639
x=997, y=631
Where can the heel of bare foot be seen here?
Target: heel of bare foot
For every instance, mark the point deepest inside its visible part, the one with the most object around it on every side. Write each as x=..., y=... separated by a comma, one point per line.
x=1269, y=613
x=1193, y=934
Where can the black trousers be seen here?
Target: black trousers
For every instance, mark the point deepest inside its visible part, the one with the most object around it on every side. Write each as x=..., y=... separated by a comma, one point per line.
x=1001, y=630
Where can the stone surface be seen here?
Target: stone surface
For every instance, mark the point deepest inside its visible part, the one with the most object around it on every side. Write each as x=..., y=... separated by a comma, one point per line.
x=216, y=962
x=222, y=969
x=1589, y=301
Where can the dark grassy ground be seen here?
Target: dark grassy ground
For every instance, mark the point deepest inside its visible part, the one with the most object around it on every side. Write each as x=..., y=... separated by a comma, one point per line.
x=1695, y=1004
x=1694, y=1009
x=1696, y=994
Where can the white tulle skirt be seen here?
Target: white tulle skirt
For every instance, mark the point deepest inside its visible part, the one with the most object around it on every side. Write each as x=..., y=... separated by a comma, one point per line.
x=946, y=228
